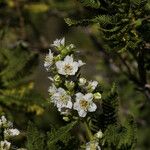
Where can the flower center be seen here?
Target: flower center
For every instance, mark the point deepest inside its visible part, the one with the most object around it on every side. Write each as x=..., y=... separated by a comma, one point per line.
x=68, y=68
x=84, y=104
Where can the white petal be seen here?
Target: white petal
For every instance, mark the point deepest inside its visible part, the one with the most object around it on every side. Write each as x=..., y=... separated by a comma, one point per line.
x=59, y=64
x=50, y=53
x=46, y=65
x=50, y=78
x=48, y=60
x=69, y=104
x=82, y=113
x=81, y=63
x=57, y=43
x=93, y=84
x=61, y=90
x=59, y=104
x=88, y=97
x=76, y=106
x=79, y=96
x=75, y=67
x=3, y=119
x=62, y=41
x=59, y=108
x=52, y=89
x=68, y=59
x=92, y=107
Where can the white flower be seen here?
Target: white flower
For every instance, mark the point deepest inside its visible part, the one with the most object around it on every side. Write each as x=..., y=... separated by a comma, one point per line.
x=5, y=145
x=84, y=104
x=68, y=66
x=52, y=89
x=11, y=132
x=61, y=99
x=92, y=85
x=93, y=145
x=48, y=60
x=59, y=42
x=4, y=122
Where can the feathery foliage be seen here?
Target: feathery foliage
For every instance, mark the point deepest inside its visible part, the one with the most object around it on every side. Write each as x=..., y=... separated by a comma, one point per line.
x=16, y=88
x=55, y=139
x=60, y=135
x=117, y=134
x=36, y=140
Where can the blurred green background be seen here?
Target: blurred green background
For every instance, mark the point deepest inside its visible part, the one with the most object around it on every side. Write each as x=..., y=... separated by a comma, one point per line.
x=27, y=28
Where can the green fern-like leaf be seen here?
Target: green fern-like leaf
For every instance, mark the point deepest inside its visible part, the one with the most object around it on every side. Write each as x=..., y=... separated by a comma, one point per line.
x=61, y=134
x=110, y=107
x=91, y=3
x=121, y=137
x=19, y=63
x=83, y=22
x=35, y=140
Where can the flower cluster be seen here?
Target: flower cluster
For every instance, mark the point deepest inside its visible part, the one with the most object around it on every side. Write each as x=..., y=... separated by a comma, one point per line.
x=7, y=131
x=69, y=91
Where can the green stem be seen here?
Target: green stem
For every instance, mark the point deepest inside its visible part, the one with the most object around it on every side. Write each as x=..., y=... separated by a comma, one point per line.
x=88, y=131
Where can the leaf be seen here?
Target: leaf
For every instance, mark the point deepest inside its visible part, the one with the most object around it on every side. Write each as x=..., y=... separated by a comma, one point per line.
x=60, y=134
x=72, y=22
x=90, y=3
x=121, y=137
x=35, y=139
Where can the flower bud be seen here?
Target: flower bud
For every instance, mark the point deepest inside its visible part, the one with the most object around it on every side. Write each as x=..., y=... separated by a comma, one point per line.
x=57, y=58
x=66, y=119
x=5, y=145
x=99, y=134
x=97, y=95
x=82, y=81
x=69, y=84
x=71, y=46
x=92, y=86
x=65, y=51
x=57, y=78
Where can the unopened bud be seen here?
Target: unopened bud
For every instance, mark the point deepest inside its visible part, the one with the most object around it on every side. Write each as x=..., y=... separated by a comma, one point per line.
x=97, y=95
x=71, y=46
x=57, y=58
x=57, y=78
x=69, y=84
x=82, y=81
x=66, y=119
x=92, y=86
x=99, y=134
